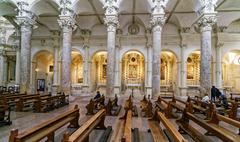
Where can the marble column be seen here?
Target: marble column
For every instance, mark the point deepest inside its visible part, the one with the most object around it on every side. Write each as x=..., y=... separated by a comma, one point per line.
x=117, y=63
x=112, y=23
x=218, y=73
x=157, y=23
x=2, y=60
x=67, y=24
x=205, y=24
x=183, y=71
x=25, y=54
x=18, y=62
x=56, y=46
x=86, y=75
x=86, y=70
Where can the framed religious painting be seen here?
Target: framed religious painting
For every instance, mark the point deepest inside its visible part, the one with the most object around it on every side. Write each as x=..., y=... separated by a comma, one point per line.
x=41, y=85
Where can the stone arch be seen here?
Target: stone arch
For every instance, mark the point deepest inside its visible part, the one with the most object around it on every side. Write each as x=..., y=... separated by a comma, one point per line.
x=98, y=70
x=76, y=67
x=168, y=70
x=230, y=70
x=42, y=70
x=193, y=68
x=132, y=71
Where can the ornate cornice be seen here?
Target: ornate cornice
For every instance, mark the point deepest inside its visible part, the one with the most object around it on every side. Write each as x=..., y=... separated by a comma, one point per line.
x=207, y=21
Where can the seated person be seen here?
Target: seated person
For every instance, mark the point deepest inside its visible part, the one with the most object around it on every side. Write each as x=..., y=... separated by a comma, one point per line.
x=98, y=95
x=205, y=99
x=103, y=100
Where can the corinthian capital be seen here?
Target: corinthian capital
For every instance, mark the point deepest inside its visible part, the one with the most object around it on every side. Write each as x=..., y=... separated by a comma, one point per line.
x=67, y=22
x=25, y=16
x=207, y=21
x=158, y=20
x=111, y=22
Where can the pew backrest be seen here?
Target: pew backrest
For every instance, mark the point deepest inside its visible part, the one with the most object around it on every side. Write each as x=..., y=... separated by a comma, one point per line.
x=46, y=128
x=83, y=132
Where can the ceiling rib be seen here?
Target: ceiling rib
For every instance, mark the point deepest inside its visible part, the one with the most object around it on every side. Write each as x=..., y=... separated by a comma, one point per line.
x=48, y=2
x=95, y=11
x=220, y=4
x=11, y=20
x=171, y=13
x=133, y=11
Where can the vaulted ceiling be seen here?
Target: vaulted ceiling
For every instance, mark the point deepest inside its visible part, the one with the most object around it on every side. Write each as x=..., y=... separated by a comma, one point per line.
x=90, y=13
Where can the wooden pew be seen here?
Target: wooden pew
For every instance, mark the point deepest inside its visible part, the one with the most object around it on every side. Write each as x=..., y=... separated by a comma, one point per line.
x=5, y=112
x=112, y=105
x=127, y=129
x=82, y=133
x=206, y=108
x=94, y=105
x=223, y=134
x=164, y=106
x=47, y=128
x=27, y=100
x=48, y=103
x=127, y=133
x=232, y=113
x=146, y=106
x=216, y=118
x=158, y=133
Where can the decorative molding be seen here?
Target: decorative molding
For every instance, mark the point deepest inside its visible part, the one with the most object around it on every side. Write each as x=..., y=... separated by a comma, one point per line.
x=133, y=29
x=158, y=20
x=185, y=29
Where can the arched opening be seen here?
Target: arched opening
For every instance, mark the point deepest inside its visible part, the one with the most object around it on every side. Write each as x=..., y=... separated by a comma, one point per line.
x=193, y=69
x=168, y=71
x=231, y=70
x=133, y=71
x=99, y=71
x=42, y=71
x=76, y=68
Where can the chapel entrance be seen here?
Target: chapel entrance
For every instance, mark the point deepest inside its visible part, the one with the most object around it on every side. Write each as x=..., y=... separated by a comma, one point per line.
x=133, y=72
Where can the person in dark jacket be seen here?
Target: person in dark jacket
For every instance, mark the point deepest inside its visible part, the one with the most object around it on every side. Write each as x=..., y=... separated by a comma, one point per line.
x=213, y=93
x=98, y=95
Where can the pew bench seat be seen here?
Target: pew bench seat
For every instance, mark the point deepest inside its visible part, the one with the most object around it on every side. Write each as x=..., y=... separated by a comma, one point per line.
x=161, y=106
x=47, y=128
x=228, y=133
x=157, y=134
x=44, y=132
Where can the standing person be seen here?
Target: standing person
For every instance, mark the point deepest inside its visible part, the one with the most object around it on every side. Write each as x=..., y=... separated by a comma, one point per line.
x=213, y=93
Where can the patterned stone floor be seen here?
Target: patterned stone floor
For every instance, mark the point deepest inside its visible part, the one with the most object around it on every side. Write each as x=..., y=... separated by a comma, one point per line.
x=24, y=120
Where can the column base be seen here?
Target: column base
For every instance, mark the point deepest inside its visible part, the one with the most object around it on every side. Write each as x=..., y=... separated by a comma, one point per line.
x=183, y=91
x=55, y=89
x=85, y=89
x=116, y=90
x=148, y=91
